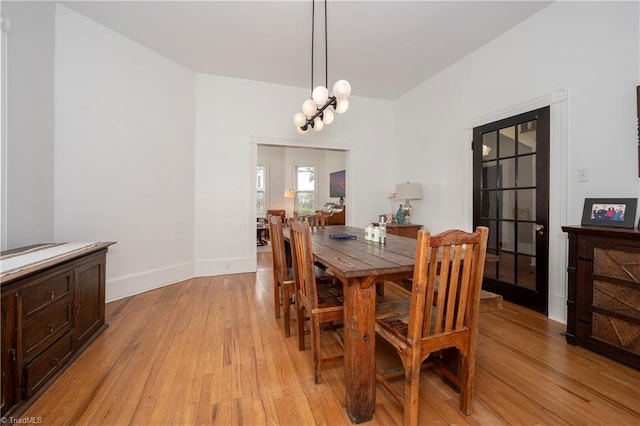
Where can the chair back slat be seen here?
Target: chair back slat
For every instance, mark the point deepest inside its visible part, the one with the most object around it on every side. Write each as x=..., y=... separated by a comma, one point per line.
x=447, y=282
x=303, y=261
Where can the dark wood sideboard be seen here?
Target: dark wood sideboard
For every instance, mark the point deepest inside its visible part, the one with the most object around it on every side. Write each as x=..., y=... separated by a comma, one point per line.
x=404, y=229
x=603, y=298
x=337, y=218
x=51, y=310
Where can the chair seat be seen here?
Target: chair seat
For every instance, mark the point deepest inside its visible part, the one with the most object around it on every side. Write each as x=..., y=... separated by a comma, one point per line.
x=330, y=296
x=394, y=315
x=322, y=276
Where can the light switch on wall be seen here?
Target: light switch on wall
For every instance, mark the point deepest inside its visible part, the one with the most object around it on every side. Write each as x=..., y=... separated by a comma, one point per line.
x=583, y=175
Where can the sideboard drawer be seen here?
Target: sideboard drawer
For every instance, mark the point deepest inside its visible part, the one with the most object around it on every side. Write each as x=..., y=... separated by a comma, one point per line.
x=45, y=365
x=46, y=327
x=46, y=291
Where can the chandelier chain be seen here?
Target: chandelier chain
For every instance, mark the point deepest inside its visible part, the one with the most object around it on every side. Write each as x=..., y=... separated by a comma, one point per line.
x=326, y=48
x=313, y=32
x=314, y=111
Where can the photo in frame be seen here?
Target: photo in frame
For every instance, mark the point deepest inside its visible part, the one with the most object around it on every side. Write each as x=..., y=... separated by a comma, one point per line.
x=612, y=212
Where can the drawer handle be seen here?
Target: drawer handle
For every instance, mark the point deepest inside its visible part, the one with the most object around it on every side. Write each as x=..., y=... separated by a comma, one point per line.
x=55, y=361
x=50, y=329
x=51, y=294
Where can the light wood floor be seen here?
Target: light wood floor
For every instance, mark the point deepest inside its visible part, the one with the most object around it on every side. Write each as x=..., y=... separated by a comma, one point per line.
x=209, y=351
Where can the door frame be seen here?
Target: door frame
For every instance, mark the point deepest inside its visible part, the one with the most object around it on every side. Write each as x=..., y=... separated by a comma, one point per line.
x=558, y=101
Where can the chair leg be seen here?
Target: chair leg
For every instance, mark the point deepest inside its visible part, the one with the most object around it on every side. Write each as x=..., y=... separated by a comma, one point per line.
x=411, y=391
x=286, y=306
x=467, y=379
x=315, y=348
x=276, y=298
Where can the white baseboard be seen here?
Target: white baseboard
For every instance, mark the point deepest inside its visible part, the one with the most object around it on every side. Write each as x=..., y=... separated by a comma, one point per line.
x=234, y=265
x=558, y=308
x=129, y=285
x=121, y=287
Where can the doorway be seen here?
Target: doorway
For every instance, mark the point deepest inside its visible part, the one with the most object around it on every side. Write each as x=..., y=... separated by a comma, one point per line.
x=511, y=198
x=279, y=158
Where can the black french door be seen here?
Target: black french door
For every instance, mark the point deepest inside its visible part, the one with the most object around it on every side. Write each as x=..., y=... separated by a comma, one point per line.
x=511, y=198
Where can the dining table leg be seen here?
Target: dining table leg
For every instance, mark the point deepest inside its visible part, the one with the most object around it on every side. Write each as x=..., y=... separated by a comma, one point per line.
x=360, y=348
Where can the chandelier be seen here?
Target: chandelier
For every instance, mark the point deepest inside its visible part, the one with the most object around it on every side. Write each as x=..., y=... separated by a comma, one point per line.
x=315, y=112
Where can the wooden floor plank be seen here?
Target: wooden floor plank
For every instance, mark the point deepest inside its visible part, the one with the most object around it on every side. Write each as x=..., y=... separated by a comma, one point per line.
x=210, y=351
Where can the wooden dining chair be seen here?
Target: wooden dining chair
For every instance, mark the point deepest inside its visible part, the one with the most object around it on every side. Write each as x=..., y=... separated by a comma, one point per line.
x=283, y=275
x=316, y=221
x=442, y=313
x=323, y=303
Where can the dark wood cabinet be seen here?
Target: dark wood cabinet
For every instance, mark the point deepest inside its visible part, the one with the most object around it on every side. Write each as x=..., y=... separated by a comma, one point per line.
x=51, y=310
x=337, y=218
x=404, y=230
x=89, y=298
x=603, y=297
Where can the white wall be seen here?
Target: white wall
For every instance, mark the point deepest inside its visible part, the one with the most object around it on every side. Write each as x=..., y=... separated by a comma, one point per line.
x=230, y=123
x=124, y=154
x=591, y=49
x=28, y=155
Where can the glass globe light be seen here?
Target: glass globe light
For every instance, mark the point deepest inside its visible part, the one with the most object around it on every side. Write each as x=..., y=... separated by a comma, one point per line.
x=327, y=116
x=309, y=107
x=302, y=132
x=342, y=106
x=320, y=95
x=299, y=119
x=341, y=89
x=317, y=124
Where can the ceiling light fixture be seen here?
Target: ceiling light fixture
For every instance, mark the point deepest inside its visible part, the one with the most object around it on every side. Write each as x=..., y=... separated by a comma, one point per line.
x=314, y=111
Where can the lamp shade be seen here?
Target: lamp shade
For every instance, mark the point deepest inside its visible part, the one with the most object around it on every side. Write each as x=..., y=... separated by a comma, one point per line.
x=408, y=191
x=320, y=95
x=342, y=89
x=342, y=105
x=309, y=107
x=288, y=193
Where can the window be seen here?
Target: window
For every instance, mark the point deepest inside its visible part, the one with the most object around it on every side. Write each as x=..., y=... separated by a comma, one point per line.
x=305, y=189
x=260, y=192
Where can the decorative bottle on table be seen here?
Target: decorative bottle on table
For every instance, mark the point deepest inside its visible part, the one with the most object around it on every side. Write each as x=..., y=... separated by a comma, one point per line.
x=382, y=226
x=400, y=215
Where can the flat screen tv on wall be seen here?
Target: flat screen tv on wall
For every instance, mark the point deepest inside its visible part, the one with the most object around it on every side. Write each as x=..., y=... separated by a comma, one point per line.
x=337, y=184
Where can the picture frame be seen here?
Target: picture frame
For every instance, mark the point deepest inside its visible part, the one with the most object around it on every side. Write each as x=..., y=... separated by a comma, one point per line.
x=612, y=212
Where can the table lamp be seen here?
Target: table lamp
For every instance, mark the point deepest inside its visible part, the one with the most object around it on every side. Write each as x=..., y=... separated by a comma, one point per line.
x=408, y=191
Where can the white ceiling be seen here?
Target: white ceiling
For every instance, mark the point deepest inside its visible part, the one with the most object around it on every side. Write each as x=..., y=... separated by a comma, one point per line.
x=384, y=48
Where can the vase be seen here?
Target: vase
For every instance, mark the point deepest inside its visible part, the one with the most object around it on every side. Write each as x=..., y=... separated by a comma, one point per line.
x=400, y=215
